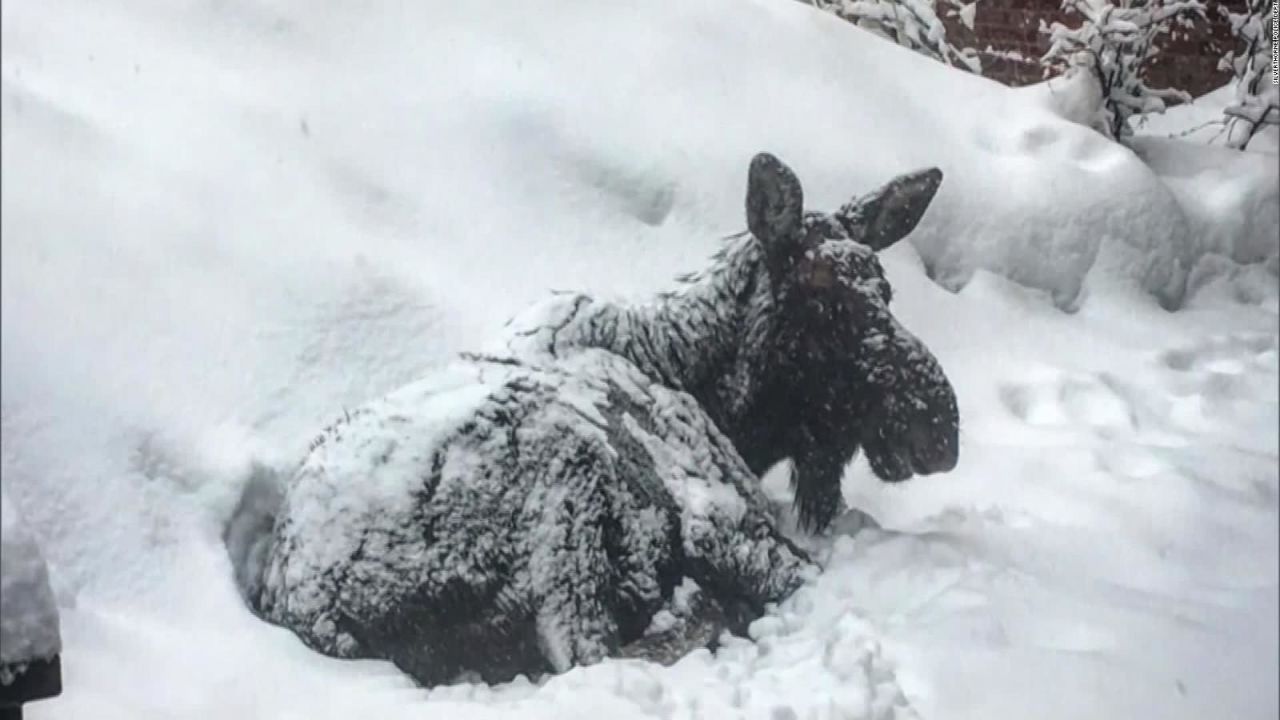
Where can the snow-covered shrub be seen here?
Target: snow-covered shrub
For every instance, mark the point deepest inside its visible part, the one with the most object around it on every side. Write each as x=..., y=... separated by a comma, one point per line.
x=1114, y=42
x=1257, y=95
x=911, y=23
x=539, y=506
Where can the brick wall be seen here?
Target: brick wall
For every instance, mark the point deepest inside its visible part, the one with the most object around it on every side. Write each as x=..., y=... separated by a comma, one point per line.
x=1189, y=63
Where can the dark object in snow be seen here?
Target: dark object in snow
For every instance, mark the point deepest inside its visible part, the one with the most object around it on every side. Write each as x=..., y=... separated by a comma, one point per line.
x=30, y=641
x=590, y=488
x=34, y=680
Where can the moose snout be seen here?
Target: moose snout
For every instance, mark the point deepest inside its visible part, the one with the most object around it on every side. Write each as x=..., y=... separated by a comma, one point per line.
x=934, y=445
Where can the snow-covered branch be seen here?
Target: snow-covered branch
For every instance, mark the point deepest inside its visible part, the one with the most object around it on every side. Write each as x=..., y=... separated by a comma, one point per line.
x=1114, y=42
x=912, y=23
x=1257, y=95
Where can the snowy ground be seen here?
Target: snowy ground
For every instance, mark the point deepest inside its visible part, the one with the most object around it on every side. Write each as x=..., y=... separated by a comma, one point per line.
x=225, y=221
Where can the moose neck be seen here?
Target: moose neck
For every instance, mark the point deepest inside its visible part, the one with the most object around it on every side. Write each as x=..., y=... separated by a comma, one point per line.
x=706, y=338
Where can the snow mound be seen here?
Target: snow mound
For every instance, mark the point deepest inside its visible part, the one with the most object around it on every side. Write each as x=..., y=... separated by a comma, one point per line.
x=1047, y=232
x=1224, y=202
x=1074, y=96
x=1231, y=199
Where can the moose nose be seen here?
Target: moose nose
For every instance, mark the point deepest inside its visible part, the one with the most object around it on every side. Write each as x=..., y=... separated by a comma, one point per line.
x=934, y=445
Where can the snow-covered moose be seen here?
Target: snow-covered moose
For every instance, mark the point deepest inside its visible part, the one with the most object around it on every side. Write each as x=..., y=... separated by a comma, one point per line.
x=590, y=487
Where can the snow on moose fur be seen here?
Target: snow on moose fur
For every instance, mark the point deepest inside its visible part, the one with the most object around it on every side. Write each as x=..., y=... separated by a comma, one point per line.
x=591, y=487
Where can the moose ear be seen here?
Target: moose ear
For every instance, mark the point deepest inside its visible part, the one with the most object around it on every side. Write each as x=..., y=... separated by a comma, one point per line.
x=775, y=203
x=881, y=218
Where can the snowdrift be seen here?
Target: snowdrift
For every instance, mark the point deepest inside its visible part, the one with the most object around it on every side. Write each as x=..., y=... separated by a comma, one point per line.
x=1230, y=198
x=225, y=222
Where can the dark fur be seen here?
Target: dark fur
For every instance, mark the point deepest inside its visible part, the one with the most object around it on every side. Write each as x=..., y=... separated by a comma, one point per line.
x=788, y=340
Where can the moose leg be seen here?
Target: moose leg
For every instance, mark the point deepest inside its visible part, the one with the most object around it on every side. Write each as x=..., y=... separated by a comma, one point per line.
x=642, y=539
x=745, y=565
x=569, y=568
x=816, y=481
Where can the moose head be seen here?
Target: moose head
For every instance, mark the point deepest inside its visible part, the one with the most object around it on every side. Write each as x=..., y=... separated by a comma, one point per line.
x=844, y=373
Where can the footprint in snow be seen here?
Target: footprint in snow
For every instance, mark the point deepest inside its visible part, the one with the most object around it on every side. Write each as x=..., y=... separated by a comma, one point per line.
x=1225, y=354
x=1065, y=399
x=1219, y=381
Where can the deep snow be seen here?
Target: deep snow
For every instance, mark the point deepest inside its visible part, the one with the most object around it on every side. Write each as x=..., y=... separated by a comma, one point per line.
x=223, y=222
x=1229, y=197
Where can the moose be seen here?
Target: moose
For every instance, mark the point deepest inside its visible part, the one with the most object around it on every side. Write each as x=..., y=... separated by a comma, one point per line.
x=589, y=486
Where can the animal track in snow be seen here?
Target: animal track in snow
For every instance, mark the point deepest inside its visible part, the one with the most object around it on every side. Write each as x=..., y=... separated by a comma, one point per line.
x=1216, y=384
x=1193, y=388
x=1064, y=399
x=1227, y=354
